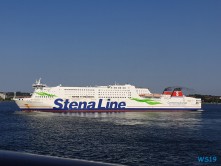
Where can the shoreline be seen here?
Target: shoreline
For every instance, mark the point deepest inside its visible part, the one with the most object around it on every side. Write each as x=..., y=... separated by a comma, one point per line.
x=2, y=101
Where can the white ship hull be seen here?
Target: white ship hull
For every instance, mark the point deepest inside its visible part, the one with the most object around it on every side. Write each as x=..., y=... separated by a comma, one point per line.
x=125, y=98
x=104, y=105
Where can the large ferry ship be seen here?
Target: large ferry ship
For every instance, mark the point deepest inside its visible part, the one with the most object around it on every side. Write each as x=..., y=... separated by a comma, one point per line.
x=111, y=98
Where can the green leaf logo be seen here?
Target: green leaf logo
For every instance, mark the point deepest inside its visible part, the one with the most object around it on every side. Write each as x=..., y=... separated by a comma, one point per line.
x=45, y=94
x=148, y=101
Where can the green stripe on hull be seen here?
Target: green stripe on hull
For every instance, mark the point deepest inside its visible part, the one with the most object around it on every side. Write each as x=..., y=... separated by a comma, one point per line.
x=45, y=94
x=148, y=101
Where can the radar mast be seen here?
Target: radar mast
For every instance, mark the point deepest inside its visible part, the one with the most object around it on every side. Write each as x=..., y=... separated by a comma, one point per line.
x=38, y=84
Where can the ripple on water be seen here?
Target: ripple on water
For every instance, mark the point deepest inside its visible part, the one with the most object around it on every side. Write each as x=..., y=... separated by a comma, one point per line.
x=127, y=138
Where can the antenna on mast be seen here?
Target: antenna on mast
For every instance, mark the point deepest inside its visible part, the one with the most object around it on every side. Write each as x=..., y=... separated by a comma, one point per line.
x=38, y=81
x=38, y=84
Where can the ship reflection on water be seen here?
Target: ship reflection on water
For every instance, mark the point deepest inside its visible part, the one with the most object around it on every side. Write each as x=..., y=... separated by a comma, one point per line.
x=163, y=119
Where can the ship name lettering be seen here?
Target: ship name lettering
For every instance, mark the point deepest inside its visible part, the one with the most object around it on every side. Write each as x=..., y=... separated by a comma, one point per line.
x=67, y=105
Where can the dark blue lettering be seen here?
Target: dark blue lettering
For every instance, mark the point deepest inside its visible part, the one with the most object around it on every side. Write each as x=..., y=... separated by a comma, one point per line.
x=58, y=103
x=113, y=105
x=66, y=104
x=108, y=104
x=84, y=104
x=91, y=105
x=73, y=105
x=100, y=104
x=121, y=105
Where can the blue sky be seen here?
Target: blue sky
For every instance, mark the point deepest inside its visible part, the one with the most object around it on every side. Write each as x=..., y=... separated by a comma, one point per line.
x=151, y=44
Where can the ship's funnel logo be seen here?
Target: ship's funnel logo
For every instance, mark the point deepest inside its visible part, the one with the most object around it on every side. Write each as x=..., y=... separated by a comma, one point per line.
x=177, y=93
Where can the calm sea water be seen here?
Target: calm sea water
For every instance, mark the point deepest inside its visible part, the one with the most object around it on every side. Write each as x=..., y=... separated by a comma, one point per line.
x=164, y=138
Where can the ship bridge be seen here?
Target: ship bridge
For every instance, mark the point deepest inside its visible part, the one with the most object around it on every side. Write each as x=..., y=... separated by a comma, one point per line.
x=38, y=84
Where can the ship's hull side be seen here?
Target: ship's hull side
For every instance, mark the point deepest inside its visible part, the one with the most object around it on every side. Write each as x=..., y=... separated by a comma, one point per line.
x=115, y=111
x=106, y=105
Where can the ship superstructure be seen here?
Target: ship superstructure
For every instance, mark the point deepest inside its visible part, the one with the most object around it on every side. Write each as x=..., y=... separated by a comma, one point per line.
x=111, y=98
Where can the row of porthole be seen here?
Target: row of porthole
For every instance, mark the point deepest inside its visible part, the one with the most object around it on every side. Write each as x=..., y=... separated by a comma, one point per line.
x=44, y=96
x=112, y=97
